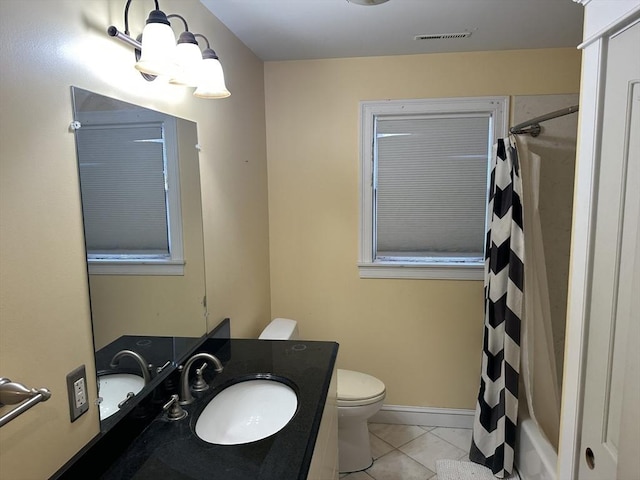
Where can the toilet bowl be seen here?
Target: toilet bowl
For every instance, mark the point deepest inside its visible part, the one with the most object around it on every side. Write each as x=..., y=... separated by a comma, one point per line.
x=360, y=396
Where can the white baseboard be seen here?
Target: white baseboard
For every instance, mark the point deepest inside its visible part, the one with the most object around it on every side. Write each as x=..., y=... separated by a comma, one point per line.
x=427, y=416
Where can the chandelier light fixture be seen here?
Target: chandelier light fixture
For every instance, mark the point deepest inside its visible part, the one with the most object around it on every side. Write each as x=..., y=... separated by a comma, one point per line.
x=158, y=53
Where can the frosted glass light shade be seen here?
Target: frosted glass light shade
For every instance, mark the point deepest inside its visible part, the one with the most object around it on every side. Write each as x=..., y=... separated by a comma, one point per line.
x=158, y=50
x=211, y=83
x=189, y=61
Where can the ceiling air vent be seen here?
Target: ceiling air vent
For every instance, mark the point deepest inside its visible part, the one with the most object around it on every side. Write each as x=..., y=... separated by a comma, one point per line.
x=442, y=36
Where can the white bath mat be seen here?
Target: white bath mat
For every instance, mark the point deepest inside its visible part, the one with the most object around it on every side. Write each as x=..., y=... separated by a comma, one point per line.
x=457, y=470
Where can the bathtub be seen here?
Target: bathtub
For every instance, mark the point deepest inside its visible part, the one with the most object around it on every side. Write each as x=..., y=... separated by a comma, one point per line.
x=535, y=457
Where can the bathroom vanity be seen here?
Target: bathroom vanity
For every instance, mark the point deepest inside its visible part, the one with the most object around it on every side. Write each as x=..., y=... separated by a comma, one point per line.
x=148, y=318
x=306, y=447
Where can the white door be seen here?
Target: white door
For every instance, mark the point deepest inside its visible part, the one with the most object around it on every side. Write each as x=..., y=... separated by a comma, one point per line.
x=612, y=343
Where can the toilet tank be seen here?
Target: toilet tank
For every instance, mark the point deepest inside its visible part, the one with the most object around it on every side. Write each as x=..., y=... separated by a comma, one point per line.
x=280, y=329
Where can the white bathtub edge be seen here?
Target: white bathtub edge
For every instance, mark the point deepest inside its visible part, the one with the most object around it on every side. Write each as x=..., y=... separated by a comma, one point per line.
x=536, y=459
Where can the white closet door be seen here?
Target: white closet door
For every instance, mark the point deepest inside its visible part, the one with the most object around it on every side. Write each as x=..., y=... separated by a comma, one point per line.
x=612, y=340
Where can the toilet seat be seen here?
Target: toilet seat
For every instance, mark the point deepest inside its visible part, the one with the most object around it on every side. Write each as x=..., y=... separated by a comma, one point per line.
x=358, y=389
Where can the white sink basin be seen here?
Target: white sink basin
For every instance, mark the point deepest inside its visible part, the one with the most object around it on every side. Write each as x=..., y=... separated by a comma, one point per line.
x=246, y=412
x=114, y=388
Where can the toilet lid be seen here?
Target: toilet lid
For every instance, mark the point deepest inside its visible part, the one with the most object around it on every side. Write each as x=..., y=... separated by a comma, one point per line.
x=357, y=386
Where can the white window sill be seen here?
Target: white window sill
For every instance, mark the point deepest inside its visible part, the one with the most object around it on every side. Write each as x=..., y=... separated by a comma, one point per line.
x=432, y=271
x=129, y=267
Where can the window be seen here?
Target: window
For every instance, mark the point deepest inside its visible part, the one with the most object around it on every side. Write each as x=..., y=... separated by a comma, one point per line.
x=130, y=193
x=424, y=180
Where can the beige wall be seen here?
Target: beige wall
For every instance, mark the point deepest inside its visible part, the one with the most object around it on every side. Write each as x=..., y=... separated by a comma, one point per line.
x=45, y=329
x=423, y=338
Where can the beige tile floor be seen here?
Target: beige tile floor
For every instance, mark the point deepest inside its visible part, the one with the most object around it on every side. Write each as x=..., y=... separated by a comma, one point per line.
x=410, y=452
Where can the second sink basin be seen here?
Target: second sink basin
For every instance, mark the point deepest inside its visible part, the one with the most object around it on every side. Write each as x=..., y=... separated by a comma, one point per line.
x=114, y=388
x=246, y=412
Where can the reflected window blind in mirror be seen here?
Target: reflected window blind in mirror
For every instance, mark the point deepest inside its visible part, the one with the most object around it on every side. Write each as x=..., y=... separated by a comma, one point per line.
x=123, y=190
x=130, y=186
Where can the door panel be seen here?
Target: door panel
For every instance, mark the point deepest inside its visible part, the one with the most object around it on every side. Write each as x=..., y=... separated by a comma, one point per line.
x=614, y=261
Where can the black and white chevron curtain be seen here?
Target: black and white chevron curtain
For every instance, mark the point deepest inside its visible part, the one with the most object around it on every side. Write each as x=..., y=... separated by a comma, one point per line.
x=494, y=431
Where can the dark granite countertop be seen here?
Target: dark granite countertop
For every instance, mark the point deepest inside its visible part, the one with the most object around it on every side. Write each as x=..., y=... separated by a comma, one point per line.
x=156, y=351
x=170, y=450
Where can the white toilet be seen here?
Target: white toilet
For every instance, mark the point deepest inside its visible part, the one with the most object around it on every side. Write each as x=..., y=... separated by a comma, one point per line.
x=359, y=397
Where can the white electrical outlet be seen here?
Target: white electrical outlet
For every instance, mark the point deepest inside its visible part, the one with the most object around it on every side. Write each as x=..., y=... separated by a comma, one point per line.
x=77, y=391
x=80, y=392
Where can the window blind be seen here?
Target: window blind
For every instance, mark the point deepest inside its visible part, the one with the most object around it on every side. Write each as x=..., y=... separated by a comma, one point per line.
x=430, y=182
x=122, y=181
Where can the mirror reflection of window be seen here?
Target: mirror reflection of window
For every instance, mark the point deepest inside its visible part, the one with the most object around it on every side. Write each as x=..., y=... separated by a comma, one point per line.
x=130, y=193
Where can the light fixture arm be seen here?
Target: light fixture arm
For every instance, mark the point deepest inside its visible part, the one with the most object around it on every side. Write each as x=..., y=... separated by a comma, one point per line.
x=114, y=32
x=205, y=38
x=186, y=36
x=208, y=52
x=175, y=15
x=126, y=15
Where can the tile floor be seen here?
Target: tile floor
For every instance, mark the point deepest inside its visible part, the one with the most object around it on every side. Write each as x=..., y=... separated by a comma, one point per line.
x=409, y=452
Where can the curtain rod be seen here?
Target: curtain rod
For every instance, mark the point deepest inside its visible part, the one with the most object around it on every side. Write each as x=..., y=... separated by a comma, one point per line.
x=532, y=126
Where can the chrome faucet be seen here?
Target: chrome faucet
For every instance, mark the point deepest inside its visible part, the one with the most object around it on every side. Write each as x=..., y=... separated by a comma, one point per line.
x=185, y=392
x=144, y=366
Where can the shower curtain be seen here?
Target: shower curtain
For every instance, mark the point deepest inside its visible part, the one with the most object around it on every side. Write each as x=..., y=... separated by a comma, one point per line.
x=494, y=432
x=518, y=342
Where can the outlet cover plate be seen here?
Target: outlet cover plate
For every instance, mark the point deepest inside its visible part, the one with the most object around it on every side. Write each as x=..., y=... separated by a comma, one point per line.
x=77, y=391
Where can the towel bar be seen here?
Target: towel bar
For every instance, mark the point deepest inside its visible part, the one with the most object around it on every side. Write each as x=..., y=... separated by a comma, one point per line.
x=14, y=392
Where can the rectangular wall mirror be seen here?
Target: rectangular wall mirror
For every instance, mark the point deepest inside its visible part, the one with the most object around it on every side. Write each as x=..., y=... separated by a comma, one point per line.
x=140, y=185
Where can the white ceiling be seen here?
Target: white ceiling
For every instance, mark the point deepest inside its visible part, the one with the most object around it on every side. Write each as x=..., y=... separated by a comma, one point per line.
x=306, y=29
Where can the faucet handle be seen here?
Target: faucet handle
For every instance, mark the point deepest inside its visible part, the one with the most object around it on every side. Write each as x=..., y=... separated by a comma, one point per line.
x=174, y=410
x=200, y=385
x=129, y=396
x=161, y=368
